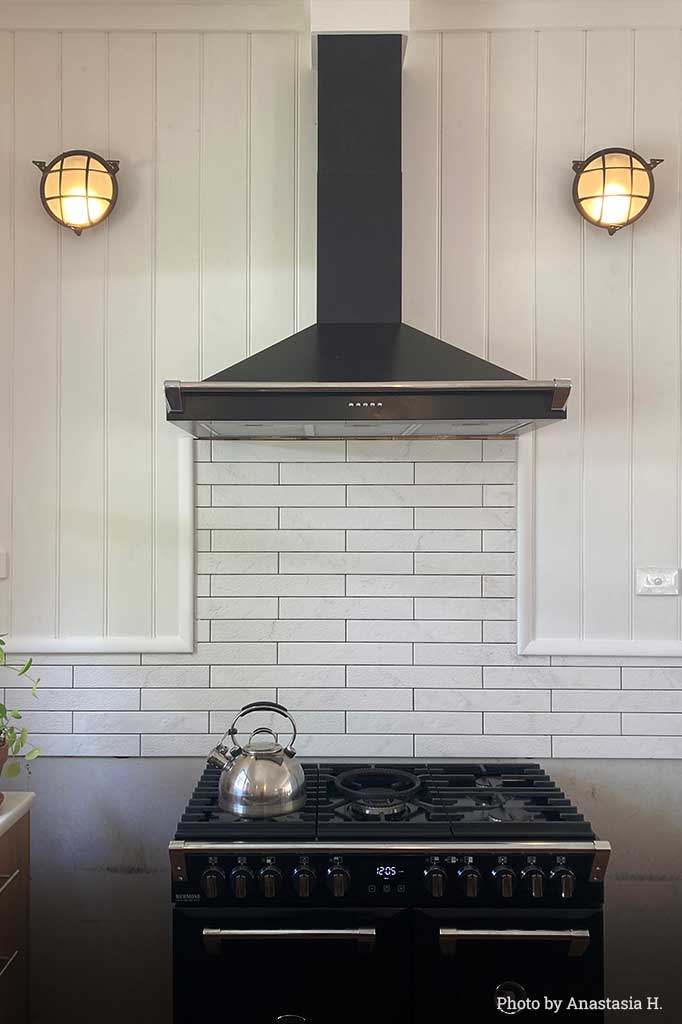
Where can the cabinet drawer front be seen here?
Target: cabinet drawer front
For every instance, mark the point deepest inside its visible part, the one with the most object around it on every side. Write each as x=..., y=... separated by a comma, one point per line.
x=13, y=922
x=9, y=852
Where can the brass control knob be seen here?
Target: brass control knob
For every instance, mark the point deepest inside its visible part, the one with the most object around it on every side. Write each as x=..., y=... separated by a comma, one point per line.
x=304, y=882
x=436, y=882
x=564, y=882
x=270, y=881
x=241, y=881
x=505, y=881
x=213, y=883
x=338, y=880
x=469, y=880
x=533, y=879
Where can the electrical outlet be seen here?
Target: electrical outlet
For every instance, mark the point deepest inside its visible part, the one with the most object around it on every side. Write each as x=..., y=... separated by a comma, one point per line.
x=653, y=582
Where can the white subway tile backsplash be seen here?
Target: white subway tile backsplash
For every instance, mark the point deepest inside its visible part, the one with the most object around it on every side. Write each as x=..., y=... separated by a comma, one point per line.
x=349, y=562
x=370, y=586
x=237, y=518
x=483, y=700
x=414, y=722
x=140, y=721
x=142, y=676
x=237, y=473
x=278, y=496
x=483, y=746
x=556, y=724
x=347, y=473
x=278, y=585
x=345, y=654
x=414, y=496
x=265, y=630
x=414, y=540
x=237, y=562
x=464, y=608
x=551, y=677
x=279, y=451
x=278, y=675
x=278, y=540
x=424, y=631
x=346, y=608
x=464, y=518
x=346, y=518
x=414, y=676
x=465, y=473
x=414, y=451
x=414, y=586
x=485, y=562
x=237, y=607
x=74, y=700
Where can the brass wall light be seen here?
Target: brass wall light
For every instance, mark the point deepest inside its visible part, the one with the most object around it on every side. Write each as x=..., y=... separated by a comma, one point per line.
x=78, y=188
x=613, y=187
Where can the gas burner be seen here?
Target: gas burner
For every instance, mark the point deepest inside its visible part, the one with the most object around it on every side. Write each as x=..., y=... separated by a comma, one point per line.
x=377, y=793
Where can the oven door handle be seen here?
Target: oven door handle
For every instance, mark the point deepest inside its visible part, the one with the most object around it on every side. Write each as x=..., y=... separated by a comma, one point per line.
x=213, y=937
x=578, y=939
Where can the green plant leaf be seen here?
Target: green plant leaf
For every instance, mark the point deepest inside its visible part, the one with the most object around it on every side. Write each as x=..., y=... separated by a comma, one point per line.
x=3, y=711
x=23, y=736
x=33, y=754
x=15, y=714
x=25, y=668
x=12, y=769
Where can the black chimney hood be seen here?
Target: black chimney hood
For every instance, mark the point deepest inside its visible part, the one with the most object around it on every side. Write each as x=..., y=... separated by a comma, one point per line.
x=359, y=371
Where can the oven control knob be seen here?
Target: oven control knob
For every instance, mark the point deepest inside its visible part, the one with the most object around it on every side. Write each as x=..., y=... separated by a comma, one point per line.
x=241, y=880
x=304, y=882
x=338, y=879
x=469, y=880
x=505, y=881
x=213, y=883
x=564, y=880
x=533, y=879
x=436, y=882
x=270, y=881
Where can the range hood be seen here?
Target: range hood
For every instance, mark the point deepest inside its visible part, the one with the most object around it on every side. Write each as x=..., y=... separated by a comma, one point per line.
x=360, y=371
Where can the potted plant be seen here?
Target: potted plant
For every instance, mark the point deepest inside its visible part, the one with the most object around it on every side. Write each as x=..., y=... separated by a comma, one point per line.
x=13, y=738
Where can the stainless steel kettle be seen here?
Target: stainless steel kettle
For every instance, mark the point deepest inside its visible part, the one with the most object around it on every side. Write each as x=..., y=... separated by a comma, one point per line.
x=262, y=778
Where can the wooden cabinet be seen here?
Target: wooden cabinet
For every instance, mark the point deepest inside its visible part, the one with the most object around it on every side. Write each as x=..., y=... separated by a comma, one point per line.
x=14, y=906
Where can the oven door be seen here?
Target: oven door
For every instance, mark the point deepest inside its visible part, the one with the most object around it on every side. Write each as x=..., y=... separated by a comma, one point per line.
x=292, y=967
x=465, y=964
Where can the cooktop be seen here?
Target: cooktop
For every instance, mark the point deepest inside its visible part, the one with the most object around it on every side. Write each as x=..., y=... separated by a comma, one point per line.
x=414, y=800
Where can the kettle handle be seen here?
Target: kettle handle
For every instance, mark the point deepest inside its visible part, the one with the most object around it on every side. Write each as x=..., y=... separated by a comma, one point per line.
x=264, y=705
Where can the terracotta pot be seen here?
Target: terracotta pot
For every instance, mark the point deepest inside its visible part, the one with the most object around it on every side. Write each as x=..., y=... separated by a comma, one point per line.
x=4, y=754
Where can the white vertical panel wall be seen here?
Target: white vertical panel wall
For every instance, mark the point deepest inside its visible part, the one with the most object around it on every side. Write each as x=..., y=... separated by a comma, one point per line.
x=208, y=256
x=499, y=262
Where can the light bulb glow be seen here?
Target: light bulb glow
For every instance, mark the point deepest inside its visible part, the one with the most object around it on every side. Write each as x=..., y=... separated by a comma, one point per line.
x=79, y=189
x=613, y=188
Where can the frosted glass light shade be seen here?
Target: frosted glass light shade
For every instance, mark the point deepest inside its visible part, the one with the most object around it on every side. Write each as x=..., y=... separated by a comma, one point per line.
x=613, y=187
x=78, y=188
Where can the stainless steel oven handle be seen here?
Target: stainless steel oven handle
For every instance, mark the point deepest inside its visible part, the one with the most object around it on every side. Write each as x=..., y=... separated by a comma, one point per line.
x=365, y=937
x=578, y=939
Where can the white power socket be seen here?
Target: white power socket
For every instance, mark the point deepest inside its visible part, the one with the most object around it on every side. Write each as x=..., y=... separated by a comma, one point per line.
x=653, y=582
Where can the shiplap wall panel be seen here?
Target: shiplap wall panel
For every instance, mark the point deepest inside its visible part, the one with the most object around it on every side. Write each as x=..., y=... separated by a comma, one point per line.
x=6, y=296
x=656, y=497
x=422, y=72
x=224, y=200
x=81, y=532
x=513, y=75
x=559, y=233
x=177, y=290
x=464, y=191
x=36, y=372
x=131, y=388
x=608, y=384
x=273, y=206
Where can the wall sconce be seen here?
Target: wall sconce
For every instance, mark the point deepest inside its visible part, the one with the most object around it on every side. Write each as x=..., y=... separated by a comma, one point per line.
x=78, y=188
x=613, y=187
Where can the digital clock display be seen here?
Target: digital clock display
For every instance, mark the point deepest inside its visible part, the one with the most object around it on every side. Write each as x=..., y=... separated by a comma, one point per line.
x=387, y=871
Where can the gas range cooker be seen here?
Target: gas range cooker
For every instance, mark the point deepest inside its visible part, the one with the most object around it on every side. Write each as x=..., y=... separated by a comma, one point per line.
x=418, y=873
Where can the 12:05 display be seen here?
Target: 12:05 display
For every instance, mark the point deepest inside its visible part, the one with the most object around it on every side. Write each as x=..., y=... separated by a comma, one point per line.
x=387, y=871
